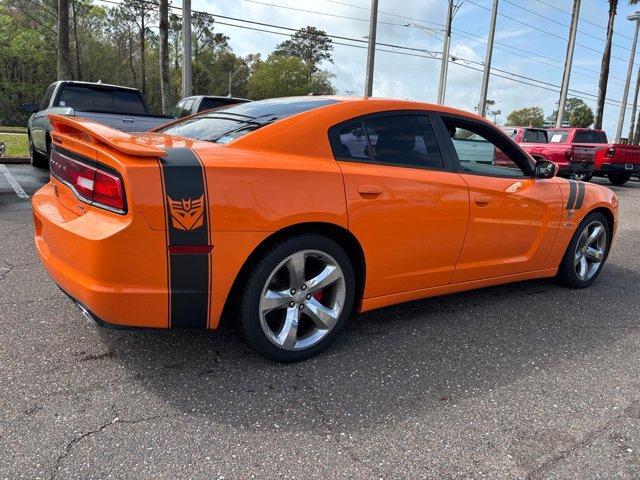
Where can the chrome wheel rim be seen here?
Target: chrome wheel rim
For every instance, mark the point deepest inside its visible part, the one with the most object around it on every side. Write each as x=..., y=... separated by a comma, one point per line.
x=302, y=300
x=579, y=176
x=590, y=250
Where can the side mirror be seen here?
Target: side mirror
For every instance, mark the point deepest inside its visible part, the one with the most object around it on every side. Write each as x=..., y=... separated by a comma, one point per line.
x=29, y=107
x=545, y=169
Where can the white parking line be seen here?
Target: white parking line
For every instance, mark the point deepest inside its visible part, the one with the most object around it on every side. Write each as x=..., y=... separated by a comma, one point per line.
x=13, y=182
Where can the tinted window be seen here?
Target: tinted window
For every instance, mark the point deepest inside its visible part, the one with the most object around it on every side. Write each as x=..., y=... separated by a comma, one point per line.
x=482, y=151
x=209, y=103
x=407, y=140
x=177, y=110
x=228, y=123
x=584, y=136
x=600, y=137
x=534, y=136
x=557, y=136
x=102, y=99
x=44, y=103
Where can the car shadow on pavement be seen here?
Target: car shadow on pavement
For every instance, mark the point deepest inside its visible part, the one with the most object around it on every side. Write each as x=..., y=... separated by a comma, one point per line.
x=388, y=365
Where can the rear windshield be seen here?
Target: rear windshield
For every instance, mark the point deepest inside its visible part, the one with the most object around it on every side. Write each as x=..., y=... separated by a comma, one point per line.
x=590, y=136
x=101, y=99
x=210, y=103
x=233, y=121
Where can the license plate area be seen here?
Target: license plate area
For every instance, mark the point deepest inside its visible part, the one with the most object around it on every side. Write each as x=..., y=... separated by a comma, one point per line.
x=628, y=166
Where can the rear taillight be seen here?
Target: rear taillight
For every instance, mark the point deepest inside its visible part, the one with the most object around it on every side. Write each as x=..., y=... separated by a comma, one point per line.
x=91, y=182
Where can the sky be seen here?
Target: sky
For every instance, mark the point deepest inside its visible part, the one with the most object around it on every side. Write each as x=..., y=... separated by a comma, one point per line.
x=530, y=42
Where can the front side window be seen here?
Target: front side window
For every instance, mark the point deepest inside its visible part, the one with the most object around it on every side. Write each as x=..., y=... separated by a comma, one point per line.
x=44, y=103
x=482, y=151
x=534, y=136
x=404, y=140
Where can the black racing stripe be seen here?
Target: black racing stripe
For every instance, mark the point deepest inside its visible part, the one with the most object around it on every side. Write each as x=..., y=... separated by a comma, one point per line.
x=186, y=212
x=580, y=198
x=572, y=195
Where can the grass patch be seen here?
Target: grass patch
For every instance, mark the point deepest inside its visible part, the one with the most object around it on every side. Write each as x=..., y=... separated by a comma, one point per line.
x=17, y=144
x=4, y=129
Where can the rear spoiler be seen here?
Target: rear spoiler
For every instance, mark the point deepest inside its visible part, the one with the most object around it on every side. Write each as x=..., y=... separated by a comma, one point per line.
x=97, y=133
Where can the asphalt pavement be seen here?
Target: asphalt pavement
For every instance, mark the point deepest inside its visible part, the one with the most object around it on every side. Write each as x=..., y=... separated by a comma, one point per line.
x=529, y=380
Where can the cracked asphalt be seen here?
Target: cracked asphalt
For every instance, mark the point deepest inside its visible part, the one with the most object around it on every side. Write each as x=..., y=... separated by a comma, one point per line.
x=529, y=380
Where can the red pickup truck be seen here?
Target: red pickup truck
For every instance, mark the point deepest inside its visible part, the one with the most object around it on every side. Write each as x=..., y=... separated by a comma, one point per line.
x=575, y=161
x=616, y=161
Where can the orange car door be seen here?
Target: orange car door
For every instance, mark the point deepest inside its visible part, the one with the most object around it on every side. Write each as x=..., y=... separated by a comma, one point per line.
x=406, y=206
x=513, y=217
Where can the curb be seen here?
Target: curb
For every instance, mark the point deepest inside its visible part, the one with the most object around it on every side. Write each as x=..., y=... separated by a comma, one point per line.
x=14, y=160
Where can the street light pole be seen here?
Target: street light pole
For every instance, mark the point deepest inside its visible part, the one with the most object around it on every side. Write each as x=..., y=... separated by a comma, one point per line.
x=371, y=50
x=564, y=90
x=625, y=95
x=482, y=107
x=442, y=84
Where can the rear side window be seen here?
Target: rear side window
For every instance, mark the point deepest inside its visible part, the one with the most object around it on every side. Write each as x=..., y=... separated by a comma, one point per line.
x=557, y=136
x=404, y=140
x=102, y=99
x=534, y=136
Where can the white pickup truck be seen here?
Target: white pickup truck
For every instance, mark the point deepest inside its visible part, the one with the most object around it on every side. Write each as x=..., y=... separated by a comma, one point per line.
x=119, y=107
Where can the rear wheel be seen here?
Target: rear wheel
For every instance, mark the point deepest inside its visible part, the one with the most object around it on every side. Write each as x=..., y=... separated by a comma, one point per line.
x=35, y=158
x=619, y=178
x=586, y=253
x=297, y=298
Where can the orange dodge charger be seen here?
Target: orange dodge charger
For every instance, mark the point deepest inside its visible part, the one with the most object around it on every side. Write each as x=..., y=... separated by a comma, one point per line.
x=290, y=214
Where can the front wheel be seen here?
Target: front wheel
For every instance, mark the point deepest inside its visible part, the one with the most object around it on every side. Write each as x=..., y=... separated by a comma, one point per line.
x=298, y=298
x=619, y=178
x=581, y=177
x=586, y=253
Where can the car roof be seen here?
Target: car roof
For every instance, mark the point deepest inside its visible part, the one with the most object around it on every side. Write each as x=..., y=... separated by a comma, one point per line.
x=216, y=97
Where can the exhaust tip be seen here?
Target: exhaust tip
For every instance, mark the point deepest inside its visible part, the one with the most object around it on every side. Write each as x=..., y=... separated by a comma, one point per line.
x=86, y=314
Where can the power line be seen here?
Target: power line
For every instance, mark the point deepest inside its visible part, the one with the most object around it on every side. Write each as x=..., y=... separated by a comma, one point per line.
x=459, y=31
x=582, y=19
x=412, y=52
x=562, y=24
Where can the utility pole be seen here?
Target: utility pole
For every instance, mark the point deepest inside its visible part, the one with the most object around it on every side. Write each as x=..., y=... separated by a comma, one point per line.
x=371, y=50
x=442, y=84
x=633, y=111
x=625, y=95
x=568, y=61
x=64, y=63
x=487, y=61
x=186, y=48
x=164, y=55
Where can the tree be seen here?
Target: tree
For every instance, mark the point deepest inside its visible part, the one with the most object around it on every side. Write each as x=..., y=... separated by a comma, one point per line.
x=64, y=63
x=604, y=66
x=282, y=76
x=526, y=117
x=164, y=54
x=581, y=116
x=310, y=45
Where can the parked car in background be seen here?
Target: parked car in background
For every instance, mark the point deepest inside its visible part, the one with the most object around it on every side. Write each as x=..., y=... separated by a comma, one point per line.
x=200, y=103
x=616, y=161
x=575, y=161
x=119, y=107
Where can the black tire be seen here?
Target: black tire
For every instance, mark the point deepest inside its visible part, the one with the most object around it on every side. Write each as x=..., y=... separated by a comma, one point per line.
x=37, y=159
x=581, y=177
x=249, y=321
x=619, y=178
x=567, y=274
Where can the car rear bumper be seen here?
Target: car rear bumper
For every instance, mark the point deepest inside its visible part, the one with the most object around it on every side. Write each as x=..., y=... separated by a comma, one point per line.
x=573, y=168
x=113, y=265
x=632, y=168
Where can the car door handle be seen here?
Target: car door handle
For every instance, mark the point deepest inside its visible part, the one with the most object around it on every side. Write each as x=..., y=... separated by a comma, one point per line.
x=370, y=189
x=482, y=199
